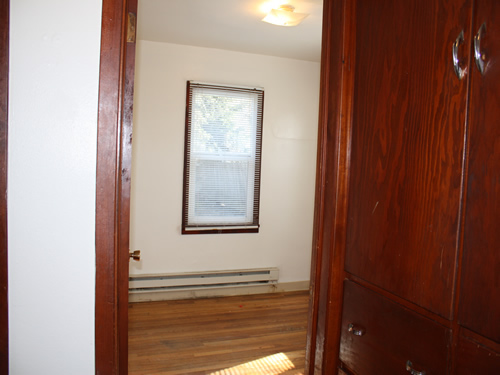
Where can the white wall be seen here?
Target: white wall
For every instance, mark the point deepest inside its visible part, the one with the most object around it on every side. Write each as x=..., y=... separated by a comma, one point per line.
x=54, y=66
x=288, y=157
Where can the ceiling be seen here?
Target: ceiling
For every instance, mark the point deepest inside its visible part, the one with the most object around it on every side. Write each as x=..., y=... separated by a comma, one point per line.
x=232, y=25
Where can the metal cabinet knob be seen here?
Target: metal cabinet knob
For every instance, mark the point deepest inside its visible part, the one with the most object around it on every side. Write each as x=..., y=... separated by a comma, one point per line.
x=135, y=255
x=355, y=330
x=411, y=370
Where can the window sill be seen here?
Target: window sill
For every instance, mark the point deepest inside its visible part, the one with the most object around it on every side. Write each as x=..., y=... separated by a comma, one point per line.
x=221, y=230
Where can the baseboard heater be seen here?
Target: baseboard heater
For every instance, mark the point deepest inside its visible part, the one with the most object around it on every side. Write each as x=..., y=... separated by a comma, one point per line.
x=202, y=280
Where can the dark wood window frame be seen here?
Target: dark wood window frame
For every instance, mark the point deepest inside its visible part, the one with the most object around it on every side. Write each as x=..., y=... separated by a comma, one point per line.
x=250, y=224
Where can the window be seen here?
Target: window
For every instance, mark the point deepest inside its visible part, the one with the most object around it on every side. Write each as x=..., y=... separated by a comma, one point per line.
x=222, y=159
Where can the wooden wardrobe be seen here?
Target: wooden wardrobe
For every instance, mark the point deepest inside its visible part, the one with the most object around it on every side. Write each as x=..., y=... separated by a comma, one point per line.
x=409, y=217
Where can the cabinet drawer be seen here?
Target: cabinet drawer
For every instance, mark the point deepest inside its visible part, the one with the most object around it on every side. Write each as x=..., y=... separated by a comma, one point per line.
x=380, y=337
x=475, y=359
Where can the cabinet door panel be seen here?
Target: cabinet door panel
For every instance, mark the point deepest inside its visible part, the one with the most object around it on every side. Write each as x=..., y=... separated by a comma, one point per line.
x=475, y=359
x=407, y=148
x=384, y=336
x=480, y=286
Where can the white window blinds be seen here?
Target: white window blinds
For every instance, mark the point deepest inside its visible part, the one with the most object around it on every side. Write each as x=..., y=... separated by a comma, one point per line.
x=222, y=158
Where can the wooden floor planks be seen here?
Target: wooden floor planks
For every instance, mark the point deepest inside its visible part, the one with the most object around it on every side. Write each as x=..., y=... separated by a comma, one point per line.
x=242, y=335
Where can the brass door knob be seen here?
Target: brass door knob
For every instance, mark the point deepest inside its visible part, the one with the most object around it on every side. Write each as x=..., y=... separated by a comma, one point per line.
x=135, y=255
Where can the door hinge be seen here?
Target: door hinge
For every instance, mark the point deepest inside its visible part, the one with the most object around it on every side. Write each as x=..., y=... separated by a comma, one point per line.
x=131, y=27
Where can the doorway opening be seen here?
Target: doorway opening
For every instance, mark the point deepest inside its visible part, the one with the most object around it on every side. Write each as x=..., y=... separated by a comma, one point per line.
x=165, y=60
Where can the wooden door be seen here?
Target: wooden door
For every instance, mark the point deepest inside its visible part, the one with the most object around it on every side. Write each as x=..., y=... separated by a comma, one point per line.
x=407, y=148
x=480, y=283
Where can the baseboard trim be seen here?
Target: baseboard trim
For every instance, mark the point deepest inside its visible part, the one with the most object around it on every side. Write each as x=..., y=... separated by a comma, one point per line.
x=292, y=286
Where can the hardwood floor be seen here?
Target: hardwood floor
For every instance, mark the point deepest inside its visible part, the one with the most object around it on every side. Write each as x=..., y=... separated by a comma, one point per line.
x=243, y=335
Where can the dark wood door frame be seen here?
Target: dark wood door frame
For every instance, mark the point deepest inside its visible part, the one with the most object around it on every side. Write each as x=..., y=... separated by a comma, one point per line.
x=112, y=199
x=329, y=217
x=4, y=92
x=114, y=138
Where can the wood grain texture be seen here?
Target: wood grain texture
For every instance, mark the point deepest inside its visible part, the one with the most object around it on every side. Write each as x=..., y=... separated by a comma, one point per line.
x=407, y=149
x=108, y=191
x=401, y=301
x=476, y=359
x=391, y=336
x=480, y=285
x=227, y=335
x=4, y=91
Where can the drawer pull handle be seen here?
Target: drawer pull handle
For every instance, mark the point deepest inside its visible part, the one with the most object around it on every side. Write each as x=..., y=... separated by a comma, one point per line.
x=411, y=370
x=356, y=331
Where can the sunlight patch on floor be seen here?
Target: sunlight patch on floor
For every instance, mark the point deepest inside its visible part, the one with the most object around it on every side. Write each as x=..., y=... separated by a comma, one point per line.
x=271, y=365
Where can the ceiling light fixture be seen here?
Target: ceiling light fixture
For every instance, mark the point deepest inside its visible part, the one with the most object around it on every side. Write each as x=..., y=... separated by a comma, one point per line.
x=284, y=16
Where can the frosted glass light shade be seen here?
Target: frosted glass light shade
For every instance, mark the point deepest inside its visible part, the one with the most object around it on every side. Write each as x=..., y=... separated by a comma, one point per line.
x=284, y=16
